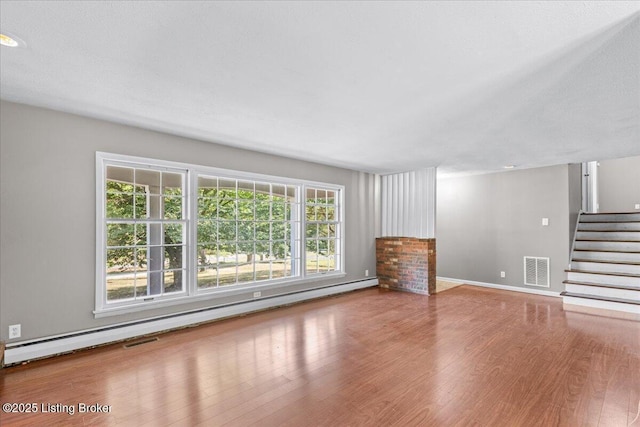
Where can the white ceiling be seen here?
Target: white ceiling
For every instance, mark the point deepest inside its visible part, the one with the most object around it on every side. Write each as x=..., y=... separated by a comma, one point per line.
x=374, y=86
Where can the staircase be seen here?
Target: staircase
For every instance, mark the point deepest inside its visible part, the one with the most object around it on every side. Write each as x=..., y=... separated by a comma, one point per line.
x=604, y=276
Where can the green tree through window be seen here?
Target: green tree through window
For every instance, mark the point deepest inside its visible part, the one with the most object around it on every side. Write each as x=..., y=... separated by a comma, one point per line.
x=145, y=233
x=244, y=231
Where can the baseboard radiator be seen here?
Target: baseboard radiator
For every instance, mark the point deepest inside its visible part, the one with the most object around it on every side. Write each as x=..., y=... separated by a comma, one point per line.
x=19, y=352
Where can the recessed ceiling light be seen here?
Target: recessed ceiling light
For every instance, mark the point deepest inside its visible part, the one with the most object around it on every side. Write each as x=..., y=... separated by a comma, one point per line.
x=509, y=166
x=9, y=40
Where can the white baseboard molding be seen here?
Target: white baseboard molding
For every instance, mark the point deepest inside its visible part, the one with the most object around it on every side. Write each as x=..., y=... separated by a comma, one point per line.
x=503, y=287
x=48, y=346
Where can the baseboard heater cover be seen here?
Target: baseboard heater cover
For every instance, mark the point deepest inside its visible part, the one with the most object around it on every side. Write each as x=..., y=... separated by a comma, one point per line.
x=36, y=349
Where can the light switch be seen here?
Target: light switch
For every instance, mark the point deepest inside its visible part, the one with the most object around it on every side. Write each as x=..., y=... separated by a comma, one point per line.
x=545, y=221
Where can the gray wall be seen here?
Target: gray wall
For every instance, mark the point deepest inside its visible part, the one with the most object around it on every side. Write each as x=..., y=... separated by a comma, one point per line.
x=488, y=223
x=47, y=212
x=619, y=184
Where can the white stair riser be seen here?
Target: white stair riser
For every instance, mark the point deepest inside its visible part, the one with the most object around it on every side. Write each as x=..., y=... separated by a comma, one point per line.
x=633, y=295
x=607, y=256
x=603, y=267
x=610, y=217
x=609, y=226
x=609, y=246
x=606, y=305
x=605, y=279
x=628, y=236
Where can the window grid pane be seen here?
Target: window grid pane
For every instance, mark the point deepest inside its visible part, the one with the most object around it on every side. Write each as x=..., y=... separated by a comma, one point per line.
x=145, y=233
x=244, y=228
x=322, y=236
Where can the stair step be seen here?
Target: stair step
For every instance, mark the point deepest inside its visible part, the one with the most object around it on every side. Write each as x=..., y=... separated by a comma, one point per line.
x=600, y=245
x=606, y=267
x=613, y=278
x=601, y=306
x=629, y=294
x=600, y=217
x=606, y=256
x=599, y=298
x=617, y=236
x=605, y=274
x=608, y=261
x=601, y=285
x=609, y=226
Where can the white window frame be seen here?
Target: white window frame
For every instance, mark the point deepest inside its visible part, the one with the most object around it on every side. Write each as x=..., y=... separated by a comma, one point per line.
x=337, y=221
x=191, y=292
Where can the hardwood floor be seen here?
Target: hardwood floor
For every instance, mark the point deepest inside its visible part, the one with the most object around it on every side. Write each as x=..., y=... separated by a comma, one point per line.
x=468, y=356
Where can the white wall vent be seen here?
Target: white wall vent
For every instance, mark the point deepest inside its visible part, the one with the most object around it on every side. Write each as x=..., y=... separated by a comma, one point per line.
x=536, y=271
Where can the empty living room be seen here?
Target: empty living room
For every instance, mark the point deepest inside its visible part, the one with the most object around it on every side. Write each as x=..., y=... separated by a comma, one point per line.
x=319, y=213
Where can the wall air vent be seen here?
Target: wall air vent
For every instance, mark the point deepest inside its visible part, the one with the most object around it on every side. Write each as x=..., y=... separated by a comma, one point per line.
x=536, y=271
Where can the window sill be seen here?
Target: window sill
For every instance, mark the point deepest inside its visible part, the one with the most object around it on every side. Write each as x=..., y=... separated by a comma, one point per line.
x=212, y=294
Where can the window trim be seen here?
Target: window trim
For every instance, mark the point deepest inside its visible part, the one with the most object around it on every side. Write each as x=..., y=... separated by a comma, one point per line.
x=191, y=292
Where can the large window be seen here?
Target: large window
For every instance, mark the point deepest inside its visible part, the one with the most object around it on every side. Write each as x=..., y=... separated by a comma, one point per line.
x=169, y=231
x=145, y=232
x=322, y=228
x=246, y=231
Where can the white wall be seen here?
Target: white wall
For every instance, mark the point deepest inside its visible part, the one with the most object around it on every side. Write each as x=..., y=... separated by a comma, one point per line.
x=47, y=212
x=408, y=207
x=619, y=184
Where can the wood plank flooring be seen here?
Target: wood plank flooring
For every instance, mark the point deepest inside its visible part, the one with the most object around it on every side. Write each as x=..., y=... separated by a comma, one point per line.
x=468, y=356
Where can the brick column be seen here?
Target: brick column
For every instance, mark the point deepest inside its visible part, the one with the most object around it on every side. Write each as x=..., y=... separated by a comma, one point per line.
x=407, y=264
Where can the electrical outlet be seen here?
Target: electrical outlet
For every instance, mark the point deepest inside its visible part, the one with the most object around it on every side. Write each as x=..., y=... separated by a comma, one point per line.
x=503, y=274
x=366, y=273
x=257, y=294
x=14, y=331
x=637, y=205
x=545, y=221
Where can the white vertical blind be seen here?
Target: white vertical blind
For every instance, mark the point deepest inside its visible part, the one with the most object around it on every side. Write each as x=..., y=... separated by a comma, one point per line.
x=409, y=204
